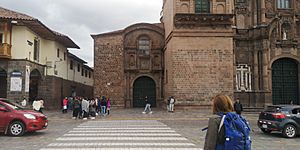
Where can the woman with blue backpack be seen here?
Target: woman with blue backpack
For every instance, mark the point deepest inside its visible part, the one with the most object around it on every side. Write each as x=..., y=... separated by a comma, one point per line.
x=226, y=129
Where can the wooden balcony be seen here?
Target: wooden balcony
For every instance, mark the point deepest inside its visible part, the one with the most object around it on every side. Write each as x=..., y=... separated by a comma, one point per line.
x=5, y=50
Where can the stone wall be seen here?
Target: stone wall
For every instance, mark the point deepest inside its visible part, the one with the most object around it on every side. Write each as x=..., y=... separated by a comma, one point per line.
x=52, y=89
x=109, y=68
x=199, y=68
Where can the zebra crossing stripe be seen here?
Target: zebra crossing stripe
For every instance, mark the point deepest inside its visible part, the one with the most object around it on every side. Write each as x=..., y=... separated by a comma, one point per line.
x=106, y=148
x=120, y=144
x=121, y=139
x=123, y=131
x=122, y=128
x=122, y=134
x=133, y=125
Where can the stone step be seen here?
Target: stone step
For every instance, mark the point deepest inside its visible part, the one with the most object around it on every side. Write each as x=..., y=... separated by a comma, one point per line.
x=253, y=109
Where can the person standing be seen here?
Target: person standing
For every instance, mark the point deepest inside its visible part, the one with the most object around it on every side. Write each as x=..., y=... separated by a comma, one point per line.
x=226, y=129
x=76, y=108
x=172, y=103
x=36, y=105
x=238, y=107
x=24, y=102
x=92, y=111
x=42, y=105
x=221, y=104
x=108, y=106
x=147, y=106
x=65, y=105
x=85, y=108
x=168, y=104
x=103, y=105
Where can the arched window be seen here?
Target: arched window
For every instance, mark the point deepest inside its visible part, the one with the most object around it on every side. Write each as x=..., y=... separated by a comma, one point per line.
x=144, y=45
x=283, y=4
x=202, y=6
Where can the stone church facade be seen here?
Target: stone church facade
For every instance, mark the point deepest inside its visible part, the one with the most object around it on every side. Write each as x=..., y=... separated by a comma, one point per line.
x=246, y=49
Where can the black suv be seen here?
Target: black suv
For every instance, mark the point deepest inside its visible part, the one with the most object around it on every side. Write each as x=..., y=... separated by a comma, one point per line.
x=281, y=118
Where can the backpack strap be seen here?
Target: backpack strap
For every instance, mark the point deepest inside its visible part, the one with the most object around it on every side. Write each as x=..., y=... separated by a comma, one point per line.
x=221, y=123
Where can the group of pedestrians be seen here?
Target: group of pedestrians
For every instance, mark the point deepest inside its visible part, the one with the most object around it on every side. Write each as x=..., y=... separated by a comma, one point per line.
x=84, y=108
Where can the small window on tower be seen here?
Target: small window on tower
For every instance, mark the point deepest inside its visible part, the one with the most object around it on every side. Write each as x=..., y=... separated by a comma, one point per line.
x=283, y=4
x=202, y=6
x=240, y=1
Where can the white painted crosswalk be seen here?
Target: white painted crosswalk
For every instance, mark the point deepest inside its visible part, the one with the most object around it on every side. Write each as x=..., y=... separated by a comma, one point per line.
x=122, y=135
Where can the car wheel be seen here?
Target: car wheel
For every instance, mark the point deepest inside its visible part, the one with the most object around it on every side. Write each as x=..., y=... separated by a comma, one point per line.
x=289, y=131
x=266, y=131
x=16, y=128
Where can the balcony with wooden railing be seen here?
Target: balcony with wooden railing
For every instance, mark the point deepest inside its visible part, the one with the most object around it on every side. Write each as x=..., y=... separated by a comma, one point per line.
x=5, y=50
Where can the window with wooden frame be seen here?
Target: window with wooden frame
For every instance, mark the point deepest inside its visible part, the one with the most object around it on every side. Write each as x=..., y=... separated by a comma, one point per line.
x=202, y=6
x=283, y=4
x=144, y=45
x=36, y=49
x=57, y=53
x=78, y=67
x=71, y=64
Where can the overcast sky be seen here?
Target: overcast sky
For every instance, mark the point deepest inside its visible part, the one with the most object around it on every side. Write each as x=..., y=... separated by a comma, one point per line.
x=78, y=19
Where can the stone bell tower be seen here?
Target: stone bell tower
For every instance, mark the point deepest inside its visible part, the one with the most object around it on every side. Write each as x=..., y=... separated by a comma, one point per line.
x=199, y=57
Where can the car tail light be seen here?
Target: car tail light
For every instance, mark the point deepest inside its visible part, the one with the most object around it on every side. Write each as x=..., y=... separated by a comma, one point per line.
x=278, y=115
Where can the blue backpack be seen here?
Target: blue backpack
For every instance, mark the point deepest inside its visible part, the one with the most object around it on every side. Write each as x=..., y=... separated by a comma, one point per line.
x=236, y=135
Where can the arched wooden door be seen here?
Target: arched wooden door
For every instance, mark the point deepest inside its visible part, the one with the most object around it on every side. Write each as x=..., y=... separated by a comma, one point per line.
x=142, y=87
x=285, y=81
x=35, y=77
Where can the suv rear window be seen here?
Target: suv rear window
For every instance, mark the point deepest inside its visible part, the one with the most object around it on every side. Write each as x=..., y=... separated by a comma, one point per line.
x=278, y=109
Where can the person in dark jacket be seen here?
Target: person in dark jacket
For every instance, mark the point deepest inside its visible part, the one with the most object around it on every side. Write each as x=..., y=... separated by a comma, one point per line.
x=238, y=107
x=147, y=106
x=103, y=105
x=76, y=108
x=221, y=104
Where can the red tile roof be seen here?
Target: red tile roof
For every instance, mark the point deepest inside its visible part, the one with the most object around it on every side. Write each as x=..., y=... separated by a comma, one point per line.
x=9, y=14
x=37, y=26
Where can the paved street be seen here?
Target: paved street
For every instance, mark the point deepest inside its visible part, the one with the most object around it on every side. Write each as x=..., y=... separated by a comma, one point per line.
x=130, y=129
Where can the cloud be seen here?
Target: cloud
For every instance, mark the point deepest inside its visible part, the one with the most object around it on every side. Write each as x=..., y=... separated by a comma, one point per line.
x=80, y=18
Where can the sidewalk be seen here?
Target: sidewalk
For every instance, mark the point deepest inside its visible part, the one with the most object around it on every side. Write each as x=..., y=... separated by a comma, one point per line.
x=136, y=113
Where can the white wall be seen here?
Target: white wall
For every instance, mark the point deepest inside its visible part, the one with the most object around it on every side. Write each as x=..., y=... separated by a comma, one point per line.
x=58, y=66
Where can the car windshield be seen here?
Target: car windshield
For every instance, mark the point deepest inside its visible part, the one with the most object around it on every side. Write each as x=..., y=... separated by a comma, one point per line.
x=13, y=105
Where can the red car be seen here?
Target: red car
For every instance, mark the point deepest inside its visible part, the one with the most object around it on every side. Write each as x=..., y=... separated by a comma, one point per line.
x=16, y=120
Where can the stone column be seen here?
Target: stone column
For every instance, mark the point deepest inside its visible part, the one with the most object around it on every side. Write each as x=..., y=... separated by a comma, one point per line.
x=266, y=84
x=255, y=70
x=263, y=12
x=254, y=12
